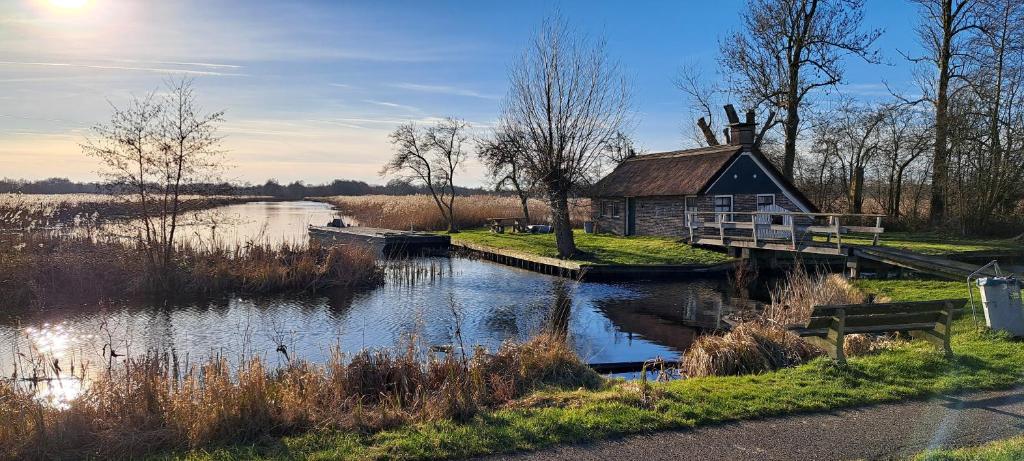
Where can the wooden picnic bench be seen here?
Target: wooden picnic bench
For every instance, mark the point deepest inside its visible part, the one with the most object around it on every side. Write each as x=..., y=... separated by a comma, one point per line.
x=928, y=320
x=498, y=225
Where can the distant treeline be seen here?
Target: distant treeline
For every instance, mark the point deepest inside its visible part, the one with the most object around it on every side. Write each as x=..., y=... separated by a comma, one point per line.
x=271, y=188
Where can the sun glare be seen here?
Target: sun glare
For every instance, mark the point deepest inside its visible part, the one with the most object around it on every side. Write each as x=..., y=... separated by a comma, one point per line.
x=69, y=4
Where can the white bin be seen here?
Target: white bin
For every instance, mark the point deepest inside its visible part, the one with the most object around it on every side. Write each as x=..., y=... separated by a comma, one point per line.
x=1002, y=301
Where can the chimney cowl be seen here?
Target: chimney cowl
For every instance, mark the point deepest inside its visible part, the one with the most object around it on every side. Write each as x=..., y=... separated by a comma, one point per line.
x=743, y=133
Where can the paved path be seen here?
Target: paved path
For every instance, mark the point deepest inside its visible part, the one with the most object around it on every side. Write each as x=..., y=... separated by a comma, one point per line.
x=894, y=431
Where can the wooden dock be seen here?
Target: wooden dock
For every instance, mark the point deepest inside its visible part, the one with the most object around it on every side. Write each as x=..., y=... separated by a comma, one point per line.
x=388, y=242
x=590, y=271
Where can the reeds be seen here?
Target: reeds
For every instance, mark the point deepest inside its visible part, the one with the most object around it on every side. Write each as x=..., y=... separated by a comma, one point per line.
x=43, y=269
x=418, y=212
x=764, y=343
x=145, y=407
x=751, y=347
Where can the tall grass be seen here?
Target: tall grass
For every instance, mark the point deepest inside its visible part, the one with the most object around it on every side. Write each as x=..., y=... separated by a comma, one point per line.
x=764, y=343
x=42, y=269
x=418, y=212
x=31, y=211
x=147, y=406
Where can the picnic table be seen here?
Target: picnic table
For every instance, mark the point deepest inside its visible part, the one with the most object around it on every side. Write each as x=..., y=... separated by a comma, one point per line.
x=498, y=225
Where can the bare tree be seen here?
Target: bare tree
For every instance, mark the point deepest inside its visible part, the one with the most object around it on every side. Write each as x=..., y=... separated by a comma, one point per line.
x=620, y=148
x=155, y=149
x=943, y=30
x=502, y=157
x=431, y=157
x=790, y=48
x=569, y=100
x=905, y=139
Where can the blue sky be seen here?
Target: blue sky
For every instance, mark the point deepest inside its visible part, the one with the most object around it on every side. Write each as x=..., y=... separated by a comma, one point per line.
x=312, y=89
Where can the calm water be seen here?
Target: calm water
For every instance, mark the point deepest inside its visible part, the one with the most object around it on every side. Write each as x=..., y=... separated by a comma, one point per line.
x=491, y=303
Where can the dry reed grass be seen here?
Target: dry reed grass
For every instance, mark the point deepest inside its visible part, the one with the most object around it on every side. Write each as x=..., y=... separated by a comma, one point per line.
x=43, y=269
x=145, y=406
x=751, y=347
x=419, y=212
x=32, y=211
x=765, y=344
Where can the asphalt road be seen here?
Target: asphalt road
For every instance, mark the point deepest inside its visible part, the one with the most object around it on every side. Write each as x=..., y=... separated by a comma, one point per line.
x=895, y=431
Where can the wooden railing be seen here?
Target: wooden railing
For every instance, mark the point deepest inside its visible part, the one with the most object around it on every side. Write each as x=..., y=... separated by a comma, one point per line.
x=791, y=226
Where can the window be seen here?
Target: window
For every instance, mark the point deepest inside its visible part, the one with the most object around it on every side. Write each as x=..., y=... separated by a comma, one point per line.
x=723, y=207
x=610, y=209
x=690, y=206
x=765, y=200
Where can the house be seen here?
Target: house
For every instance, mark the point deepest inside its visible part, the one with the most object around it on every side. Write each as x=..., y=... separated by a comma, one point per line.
x=651, y=194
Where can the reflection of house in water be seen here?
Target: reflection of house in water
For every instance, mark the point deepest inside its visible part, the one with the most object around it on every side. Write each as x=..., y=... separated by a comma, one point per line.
x=672, y=314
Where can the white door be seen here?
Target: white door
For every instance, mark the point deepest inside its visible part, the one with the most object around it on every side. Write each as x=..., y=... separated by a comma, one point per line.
x=766, y=203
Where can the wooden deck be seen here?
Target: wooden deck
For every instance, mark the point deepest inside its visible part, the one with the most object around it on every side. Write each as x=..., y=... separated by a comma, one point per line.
x=761, y=231
x=590, y=271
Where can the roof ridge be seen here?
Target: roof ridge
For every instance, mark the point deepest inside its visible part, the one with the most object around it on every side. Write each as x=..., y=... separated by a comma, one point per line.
x=687, y=152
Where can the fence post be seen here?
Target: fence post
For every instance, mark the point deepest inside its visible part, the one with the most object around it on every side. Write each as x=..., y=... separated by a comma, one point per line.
x=878, y=225
x=792, y=230
x=753, y=225
x=839, y=235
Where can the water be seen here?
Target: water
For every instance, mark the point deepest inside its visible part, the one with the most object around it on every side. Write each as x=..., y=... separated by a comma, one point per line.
x=487, y=302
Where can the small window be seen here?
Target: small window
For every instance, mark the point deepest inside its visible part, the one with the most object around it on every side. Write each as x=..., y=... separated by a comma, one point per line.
x=723, y=207
x=765, y=200
x=610, y=209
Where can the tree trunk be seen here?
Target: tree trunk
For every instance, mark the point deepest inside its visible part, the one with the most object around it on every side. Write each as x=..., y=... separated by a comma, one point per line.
x=940, y=166
x=792, y=121
x=857, y=190
x=559, y=201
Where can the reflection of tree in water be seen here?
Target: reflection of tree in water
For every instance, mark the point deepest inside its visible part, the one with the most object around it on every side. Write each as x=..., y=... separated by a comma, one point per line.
x=557, y=322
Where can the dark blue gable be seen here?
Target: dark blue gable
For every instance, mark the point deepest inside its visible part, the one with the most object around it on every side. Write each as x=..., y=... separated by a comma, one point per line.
x=744, y=176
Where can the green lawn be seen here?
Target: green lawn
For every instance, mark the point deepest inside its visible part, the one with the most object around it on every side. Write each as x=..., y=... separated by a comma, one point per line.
x=934, y=243
x=984, y=361
x=1011, y=449
x=598, y=248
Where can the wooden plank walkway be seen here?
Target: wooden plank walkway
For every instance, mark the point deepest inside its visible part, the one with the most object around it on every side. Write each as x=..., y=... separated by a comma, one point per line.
x=591, y=271
x=933, y=265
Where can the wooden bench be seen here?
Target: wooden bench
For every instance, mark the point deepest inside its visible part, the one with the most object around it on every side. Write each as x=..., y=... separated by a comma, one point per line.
x=498, y=225
x=929, y=320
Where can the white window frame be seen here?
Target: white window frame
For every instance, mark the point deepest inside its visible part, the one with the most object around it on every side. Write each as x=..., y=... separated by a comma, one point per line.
x=758, y=202
x=732, y=208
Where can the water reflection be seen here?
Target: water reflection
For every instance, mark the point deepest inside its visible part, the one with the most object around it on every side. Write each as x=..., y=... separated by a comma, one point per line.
x=426, y=297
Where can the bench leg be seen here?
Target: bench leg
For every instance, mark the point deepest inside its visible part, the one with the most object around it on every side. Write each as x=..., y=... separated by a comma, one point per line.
x=939, y=339
x=831, y=346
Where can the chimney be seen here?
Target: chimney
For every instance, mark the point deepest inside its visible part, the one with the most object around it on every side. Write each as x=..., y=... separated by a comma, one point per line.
x=741, y=133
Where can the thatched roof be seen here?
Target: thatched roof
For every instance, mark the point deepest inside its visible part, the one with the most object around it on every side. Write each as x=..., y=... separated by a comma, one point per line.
x=681, y=172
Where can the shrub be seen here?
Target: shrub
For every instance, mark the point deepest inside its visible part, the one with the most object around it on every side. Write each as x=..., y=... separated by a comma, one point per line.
x=751, y=347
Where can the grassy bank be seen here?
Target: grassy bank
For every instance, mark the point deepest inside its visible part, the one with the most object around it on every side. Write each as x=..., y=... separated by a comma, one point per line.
x=419, y=212
x=1011, y=449
x=549, y=417
x=933, y=243
x=598, y=248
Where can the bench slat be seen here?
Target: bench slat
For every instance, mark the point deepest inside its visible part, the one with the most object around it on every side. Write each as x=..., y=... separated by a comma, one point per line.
x=879, y=319
x=822, y=332
x=884, y=308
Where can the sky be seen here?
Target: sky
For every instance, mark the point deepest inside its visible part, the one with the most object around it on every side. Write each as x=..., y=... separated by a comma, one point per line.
x=311, y=89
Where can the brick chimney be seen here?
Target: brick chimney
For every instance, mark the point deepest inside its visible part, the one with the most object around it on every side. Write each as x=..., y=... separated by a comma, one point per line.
x=742, y=133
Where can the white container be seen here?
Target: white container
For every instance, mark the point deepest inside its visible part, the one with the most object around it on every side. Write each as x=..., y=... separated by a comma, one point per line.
x=1004, y=310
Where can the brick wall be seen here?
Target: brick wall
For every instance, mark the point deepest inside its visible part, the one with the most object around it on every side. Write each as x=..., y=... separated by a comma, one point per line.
x=605, y=223
x=664, y=216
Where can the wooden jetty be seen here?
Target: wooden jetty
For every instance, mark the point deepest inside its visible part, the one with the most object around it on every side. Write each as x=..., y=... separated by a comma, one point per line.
x=388, y=242
x=590, y=271
x=756, y=234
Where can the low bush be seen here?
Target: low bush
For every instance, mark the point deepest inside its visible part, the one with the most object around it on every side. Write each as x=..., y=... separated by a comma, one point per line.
x=751, y=347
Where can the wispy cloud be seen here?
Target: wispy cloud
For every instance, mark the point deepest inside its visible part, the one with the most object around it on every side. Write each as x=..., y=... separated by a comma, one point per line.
x=128, y=68
x=178, y=63
x=443, y=89
x=392, y=105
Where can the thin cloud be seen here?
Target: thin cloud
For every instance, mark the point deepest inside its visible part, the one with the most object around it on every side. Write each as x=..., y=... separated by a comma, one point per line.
x=443, y=89
x=178, y=63
x=392, y=105
x=129, y=68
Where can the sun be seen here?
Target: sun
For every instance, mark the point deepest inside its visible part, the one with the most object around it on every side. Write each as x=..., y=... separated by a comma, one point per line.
x=69, y=4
